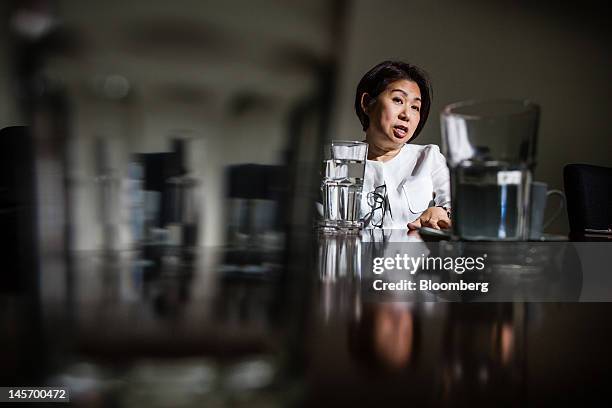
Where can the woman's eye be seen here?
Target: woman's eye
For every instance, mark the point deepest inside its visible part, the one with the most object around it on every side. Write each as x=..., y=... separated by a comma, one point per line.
x=416, y=108
x=398, y=100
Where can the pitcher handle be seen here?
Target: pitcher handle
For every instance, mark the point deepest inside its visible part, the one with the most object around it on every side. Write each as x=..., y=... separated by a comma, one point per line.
x=559, y=209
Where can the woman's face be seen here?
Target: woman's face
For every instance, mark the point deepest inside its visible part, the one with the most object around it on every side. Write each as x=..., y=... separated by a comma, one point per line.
x=394, y=116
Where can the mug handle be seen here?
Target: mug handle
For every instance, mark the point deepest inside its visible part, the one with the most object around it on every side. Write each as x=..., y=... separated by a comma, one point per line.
x=560, y=208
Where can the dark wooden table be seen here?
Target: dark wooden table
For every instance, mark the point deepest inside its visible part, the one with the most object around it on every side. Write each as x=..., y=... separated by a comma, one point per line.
x=244, y=327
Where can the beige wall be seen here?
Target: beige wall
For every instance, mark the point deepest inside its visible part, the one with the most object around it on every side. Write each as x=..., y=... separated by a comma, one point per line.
x=478, y=49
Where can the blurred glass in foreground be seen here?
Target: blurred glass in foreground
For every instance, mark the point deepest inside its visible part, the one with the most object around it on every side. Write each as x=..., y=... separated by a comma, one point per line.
x=166, y=163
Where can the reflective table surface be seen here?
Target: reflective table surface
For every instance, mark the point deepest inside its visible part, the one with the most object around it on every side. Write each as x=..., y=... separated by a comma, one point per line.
x=240, y=327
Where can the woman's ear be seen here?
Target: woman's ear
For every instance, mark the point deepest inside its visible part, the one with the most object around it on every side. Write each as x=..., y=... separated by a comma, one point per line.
x=365, y=102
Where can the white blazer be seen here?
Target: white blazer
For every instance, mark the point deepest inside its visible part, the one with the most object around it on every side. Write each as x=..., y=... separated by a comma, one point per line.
x=397, y=191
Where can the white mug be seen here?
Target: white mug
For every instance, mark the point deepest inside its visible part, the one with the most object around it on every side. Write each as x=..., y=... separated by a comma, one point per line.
x=539, y=200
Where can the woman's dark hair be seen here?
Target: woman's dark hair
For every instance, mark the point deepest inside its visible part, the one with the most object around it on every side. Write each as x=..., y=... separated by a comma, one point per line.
x=376, y=80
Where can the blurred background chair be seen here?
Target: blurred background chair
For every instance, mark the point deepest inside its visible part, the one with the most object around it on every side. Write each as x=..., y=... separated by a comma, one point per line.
x=255, y=195
x=589, y=197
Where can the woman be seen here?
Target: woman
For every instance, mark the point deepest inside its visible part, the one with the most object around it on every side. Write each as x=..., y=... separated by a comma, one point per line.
x=404, y=184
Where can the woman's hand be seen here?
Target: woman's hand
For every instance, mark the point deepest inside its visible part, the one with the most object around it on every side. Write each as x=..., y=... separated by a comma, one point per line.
x=433, y=217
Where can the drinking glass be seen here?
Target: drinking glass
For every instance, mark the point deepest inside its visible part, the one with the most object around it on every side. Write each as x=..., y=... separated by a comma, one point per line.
x=490, y=148
x=342, y=182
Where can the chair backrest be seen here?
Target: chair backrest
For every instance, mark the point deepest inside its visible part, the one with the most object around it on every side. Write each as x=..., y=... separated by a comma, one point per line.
x=255, y=181
x=589, y=196
x=256, y=194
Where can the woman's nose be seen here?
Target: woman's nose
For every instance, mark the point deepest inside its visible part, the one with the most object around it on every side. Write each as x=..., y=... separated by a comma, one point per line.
x=404, y=114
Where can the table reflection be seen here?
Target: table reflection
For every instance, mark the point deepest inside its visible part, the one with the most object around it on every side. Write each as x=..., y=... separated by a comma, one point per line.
x=444, y=353
x=169, y=326
x=162, y=327
x=483, y=357
x=386, y=335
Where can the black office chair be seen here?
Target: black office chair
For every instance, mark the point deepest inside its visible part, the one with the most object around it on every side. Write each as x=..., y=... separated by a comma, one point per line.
x=250, y=186
x=589, y=197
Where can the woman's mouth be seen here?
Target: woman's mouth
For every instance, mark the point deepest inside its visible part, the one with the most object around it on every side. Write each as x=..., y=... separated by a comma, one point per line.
x=400, y=131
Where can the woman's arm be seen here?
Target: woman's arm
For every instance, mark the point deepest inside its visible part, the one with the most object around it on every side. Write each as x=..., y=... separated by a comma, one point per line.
x=437, y=217
x=440, y=177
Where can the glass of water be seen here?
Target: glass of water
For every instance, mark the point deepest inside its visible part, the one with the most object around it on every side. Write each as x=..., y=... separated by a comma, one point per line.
x=342, y=182
x=490, y=148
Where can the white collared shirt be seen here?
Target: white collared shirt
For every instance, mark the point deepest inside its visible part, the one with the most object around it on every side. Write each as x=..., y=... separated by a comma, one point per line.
x=397, y=191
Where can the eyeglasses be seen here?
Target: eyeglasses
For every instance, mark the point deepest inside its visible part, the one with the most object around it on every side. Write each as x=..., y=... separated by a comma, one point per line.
x=379, y=203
